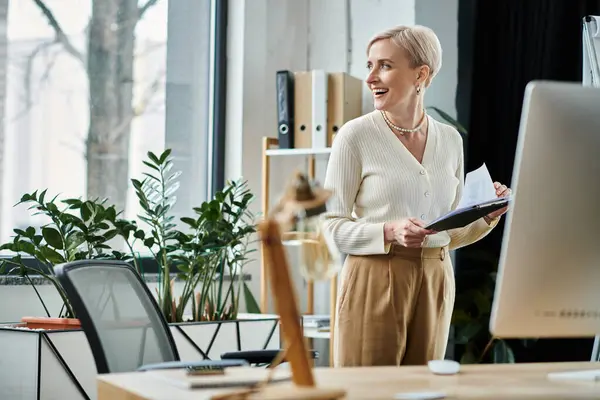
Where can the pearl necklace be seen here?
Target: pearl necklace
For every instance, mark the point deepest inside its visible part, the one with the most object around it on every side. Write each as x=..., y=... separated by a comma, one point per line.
x=404, y=130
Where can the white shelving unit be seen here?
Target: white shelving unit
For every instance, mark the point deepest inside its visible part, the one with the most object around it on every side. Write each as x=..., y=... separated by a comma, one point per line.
x=270, y=149
x=297, y=152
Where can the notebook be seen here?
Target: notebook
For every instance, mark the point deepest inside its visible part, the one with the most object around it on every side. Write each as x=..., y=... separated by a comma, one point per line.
x=233, y=377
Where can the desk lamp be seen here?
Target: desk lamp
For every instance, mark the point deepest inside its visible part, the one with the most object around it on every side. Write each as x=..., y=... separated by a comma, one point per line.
x=297, y=215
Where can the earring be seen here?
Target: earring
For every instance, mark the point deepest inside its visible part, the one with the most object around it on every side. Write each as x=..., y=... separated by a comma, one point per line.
x=418, y=89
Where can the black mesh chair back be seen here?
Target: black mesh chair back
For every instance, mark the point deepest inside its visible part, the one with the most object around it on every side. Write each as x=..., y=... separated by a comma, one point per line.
x=119, y=315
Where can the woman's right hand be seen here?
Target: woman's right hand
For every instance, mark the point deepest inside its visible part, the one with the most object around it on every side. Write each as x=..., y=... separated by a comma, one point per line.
x=408, y=232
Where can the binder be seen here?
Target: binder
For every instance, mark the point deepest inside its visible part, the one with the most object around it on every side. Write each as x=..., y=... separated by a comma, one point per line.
x=285, y=109
x=302, y=109
x=344, y=102
x=323, y=102
x=319, y=109
x=591, y=50
x=466, y=215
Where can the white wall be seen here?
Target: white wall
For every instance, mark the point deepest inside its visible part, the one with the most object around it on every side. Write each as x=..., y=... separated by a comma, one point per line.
x=270, y=35
x=442, y=17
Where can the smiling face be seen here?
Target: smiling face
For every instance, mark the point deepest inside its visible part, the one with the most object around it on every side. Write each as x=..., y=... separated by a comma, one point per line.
x=392, y=79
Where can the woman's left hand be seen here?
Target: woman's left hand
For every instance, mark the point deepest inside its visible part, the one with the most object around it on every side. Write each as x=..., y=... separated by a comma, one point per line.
x=501, y=191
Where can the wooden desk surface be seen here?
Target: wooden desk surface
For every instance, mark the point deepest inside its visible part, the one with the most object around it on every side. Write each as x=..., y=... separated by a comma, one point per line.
x=492, y=382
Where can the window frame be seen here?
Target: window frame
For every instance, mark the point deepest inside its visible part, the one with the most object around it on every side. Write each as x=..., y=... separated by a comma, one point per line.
x=216, y=128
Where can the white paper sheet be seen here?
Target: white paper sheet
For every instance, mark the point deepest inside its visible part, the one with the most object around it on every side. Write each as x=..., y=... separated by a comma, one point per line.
x=479, y=187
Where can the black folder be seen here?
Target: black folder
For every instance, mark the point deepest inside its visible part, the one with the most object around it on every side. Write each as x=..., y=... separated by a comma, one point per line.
x=285, y=108
x=464, y=216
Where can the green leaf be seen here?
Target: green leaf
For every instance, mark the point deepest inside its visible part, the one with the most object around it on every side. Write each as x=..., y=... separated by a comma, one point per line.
x=136, y=184
x=20, y=232
x=147, y=220
x=74, y=203
x=502, y=353
x=252, y=306
x=74, y=240
x=99, y=215
x=190, y=221
x=153, y=158
x=42, y=195
x=164, y=156
x=30, y=232
x=186, y=268
x=119, y=256
x=87, y=211
x=52, y=237
x=102, y=225
x=75, y=221
x=25, y=198
x=9, y=246
x=52, y=209
x=51, y=255
x=37, y=239
x=25, y=247
x=108, y=235
x=150, y=165
x=111, y=214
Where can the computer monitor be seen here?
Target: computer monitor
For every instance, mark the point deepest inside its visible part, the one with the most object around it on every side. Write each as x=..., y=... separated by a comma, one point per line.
x=591, y=50
x=548, y=281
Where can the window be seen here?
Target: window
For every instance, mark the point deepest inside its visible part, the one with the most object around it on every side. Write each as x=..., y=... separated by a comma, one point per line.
x=91, y=87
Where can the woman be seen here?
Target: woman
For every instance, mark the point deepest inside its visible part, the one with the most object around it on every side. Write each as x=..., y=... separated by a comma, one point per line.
x=391, y=170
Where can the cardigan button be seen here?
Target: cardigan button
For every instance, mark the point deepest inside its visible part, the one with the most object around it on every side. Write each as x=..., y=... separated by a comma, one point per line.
x=422, y=172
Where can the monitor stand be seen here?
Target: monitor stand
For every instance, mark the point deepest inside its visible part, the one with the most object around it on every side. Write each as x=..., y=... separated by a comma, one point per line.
x=581, y=375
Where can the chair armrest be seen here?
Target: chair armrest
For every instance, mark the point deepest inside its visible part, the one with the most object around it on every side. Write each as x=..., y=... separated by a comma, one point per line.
x=201, y=363
x=259, y=356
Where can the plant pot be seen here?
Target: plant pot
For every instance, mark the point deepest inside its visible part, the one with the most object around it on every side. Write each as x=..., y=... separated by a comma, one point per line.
x=50, y=323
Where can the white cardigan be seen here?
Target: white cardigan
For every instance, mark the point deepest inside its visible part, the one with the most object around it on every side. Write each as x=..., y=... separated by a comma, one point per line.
x=375, y=179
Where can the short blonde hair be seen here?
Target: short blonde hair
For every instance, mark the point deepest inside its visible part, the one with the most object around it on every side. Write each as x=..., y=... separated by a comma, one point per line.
x=420, y=43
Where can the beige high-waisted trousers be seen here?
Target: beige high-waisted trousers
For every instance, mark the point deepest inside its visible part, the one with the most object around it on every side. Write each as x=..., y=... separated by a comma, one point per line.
x=394, y=309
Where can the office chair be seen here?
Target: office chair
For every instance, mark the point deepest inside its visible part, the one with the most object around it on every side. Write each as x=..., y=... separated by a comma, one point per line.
x=123, y=323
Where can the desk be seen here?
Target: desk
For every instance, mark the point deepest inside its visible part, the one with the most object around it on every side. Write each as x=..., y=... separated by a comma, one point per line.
x=500, y=381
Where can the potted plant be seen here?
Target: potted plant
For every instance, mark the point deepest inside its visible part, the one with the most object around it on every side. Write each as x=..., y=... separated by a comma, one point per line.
x=213, y=245
x=75, y=230
x=208, y=256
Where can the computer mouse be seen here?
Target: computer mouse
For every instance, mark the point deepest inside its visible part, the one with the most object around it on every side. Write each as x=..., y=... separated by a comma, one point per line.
x=444, y=367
